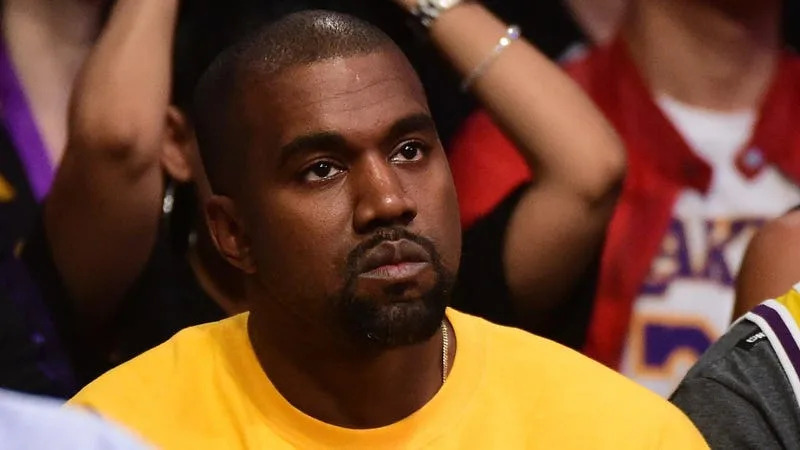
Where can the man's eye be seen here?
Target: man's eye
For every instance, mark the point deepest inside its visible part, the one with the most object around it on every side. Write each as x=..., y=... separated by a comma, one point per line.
x=408, y=152
x=322, y=170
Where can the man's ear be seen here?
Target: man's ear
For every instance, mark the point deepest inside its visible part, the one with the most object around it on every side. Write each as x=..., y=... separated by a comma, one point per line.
x=178, y=145
x=228, y=233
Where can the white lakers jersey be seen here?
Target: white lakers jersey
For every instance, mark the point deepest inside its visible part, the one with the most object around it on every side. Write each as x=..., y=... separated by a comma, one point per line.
x=687, y=301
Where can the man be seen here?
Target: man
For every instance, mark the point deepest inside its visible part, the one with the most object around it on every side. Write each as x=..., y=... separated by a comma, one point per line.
x=706, y=101
x=745, y=391
x=334, y=198
x=33, y=423
x=163, y=273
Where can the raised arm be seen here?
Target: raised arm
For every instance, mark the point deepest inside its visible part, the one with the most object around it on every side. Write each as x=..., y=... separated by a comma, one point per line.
x=558, y=227
x=102, y=215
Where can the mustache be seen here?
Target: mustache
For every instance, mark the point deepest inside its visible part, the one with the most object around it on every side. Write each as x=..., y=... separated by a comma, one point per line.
x=389, y=234
x=375, y=325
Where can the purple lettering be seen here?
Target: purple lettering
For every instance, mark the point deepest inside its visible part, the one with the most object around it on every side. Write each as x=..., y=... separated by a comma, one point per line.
x=671, y=263
x=719, y=235
x=661, y=341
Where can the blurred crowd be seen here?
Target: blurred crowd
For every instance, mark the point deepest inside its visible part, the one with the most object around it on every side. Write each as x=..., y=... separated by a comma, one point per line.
x=627, y=176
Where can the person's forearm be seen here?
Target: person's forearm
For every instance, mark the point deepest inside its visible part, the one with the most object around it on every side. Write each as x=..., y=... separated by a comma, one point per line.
x=121, y=96
x=558, y=129
x=102, y=214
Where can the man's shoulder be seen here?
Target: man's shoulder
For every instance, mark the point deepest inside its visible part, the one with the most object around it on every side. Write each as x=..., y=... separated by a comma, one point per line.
x=741, y=375
x=746, y=358
x=750, y=344
x=740, y=361
x=530, y=374
x=162, y=368
x=564, y=373
x=743, y=344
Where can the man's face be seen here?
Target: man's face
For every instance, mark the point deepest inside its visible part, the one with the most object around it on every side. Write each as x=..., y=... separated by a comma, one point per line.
x=349, y=208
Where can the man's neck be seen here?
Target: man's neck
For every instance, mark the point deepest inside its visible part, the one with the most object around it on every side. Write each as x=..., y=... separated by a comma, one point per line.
x=718, y=55
x=340, y=386
x=47, y=43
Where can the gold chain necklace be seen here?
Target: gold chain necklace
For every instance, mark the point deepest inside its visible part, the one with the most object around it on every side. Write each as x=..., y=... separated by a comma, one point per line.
x=445, y=348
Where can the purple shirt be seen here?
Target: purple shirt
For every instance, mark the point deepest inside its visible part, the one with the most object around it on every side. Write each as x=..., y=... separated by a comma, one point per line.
x=20, y=123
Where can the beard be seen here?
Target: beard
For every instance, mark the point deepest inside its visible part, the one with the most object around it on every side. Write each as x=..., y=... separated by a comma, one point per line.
x=393, y=320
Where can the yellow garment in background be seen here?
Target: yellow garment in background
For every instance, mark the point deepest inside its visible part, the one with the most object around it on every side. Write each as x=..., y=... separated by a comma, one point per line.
x=204, y=389
x=6, y=191
x=791, y=300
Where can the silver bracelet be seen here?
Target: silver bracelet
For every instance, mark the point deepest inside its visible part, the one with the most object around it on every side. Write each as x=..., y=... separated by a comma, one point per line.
x=512, y=34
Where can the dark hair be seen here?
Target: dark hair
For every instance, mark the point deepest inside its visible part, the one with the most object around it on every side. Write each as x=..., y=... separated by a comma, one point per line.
x=296, y=39
x=207, y=27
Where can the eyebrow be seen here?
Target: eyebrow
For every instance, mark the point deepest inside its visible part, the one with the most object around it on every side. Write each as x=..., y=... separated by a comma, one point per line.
x=419, y=122
x=322, y=140
x=312, y=141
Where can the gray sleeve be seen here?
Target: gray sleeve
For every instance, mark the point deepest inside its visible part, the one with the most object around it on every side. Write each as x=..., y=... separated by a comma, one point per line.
x=726, y=419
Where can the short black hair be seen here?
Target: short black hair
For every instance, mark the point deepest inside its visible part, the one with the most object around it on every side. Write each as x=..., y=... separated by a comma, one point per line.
x=300, y=38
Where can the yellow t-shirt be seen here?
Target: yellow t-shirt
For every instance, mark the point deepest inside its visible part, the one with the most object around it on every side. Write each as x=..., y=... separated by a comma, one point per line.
x=507, y=389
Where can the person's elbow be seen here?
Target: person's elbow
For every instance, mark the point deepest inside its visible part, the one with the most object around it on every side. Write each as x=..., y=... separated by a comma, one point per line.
x=607, y=176
x=107, y=136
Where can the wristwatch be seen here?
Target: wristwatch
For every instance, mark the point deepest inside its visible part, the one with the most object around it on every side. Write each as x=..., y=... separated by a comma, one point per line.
x=428, y=10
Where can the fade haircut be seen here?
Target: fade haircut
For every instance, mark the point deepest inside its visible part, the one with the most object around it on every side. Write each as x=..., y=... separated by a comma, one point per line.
x=297, y=39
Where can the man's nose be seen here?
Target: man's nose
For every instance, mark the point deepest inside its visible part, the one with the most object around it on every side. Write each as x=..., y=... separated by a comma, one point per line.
x=381, y=199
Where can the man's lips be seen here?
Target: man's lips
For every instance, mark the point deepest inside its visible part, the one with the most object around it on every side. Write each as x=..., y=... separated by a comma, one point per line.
x=396, y=272
x=394, y=260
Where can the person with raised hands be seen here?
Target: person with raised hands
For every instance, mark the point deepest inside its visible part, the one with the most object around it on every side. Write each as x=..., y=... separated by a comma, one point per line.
x=705, y=96
x=543, y=243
